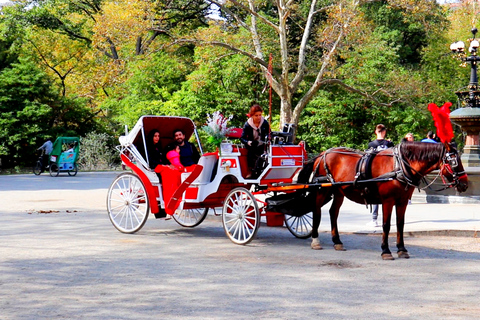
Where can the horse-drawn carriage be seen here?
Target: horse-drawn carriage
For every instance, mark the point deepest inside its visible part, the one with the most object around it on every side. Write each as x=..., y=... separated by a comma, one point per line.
x=221, y=180
x=218, y=180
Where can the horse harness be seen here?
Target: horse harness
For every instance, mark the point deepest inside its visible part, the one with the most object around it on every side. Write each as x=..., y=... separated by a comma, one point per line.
x=402, y=170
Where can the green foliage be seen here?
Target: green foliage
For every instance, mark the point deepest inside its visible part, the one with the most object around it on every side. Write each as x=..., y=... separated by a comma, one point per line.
x=31, y=111
x=25, y=112
x=394, y=54
x=97, y=152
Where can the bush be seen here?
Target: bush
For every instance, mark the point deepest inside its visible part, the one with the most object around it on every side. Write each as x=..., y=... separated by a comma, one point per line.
x=97, y=152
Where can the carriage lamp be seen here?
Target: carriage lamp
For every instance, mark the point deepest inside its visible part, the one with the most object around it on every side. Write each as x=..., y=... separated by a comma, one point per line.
x=467, y=116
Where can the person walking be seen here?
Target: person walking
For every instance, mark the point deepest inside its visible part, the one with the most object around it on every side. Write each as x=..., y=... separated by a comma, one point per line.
x=378, y=144
x=408, y=137
x=430, y=137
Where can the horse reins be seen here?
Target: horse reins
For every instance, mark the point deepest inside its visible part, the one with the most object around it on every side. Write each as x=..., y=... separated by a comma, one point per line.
x=447, y=162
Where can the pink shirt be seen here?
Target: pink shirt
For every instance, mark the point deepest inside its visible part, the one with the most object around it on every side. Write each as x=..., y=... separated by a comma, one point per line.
x=174, y=158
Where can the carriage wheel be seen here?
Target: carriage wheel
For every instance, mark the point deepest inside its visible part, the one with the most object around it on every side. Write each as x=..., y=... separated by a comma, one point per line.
x=38, y=168
x=54, y=170
x=127, y=203
x=74, y=171
x=241, y=217
x=190, y=217
x=300, y=227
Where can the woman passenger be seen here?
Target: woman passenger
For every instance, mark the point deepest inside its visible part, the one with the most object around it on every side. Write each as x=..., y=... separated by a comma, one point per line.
x=154, y=149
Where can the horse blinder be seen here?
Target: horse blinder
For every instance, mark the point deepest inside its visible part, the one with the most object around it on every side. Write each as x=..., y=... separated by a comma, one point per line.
x=450, y=164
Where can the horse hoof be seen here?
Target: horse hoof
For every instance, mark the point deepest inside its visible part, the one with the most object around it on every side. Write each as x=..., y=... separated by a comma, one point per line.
x=316, y=244
x=339, y=247
x=387, y=256
x=403, y=254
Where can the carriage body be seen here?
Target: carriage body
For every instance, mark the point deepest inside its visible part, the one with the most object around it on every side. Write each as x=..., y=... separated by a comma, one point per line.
x=220, y=178
x=64, y=155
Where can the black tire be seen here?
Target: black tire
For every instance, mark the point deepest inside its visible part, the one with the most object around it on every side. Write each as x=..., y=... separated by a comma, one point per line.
x=38, y=168
x=74, y=171
x=54, y=170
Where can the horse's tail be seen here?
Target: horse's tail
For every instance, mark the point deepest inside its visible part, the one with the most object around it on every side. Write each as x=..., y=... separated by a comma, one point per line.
x=304, y=174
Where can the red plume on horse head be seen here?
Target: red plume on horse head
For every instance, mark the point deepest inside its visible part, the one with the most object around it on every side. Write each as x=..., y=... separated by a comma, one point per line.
x=441, y=118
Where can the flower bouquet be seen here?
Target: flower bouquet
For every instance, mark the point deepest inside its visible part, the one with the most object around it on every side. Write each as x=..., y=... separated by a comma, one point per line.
x=216, y=128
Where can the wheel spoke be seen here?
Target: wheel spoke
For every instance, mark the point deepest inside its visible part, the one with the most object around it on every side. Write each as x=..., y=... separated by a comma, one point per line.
x=127, y=203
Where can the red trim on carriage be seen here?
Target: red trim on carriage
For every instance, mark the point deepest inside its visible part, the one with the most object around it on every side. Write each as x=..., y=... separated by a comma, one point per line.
x=152, y=192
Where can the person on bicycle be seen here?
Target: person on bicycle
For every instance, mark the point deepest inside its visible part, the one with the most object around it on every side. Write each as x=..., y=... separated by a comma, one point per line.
x=47, y=147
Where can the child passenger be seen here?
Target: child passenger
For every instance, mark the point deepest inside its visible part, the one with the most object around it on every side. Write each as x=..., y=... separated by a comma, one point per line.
x=174, y=157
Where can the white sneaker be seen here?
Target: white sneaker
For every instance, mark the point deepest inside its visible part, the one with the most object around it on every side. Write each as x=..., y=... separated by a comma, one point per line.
x=373, y=223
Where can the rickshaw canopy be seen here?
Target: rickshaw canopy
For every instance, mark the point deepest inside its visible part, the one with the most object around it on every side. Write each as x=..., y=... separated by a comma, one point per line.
x=61, y=141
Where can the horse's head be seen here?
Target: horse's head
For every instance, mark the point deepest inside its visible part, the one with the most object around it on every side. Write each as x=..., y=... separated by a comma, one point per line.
x=452, y=169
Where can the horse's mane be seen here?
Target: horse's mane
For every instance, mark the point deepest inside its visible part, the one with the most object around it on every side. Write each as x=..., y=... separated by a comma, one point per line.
x=421, y=151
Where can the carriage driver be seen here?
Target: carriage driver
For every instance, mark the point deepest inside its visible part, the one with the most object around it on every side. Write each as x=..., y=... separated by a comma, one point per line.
x=254, y=135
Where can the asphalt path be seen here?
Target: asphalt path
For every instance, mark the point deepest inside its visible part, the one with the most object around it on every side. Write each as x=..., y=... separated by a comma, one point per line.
x=60, y=258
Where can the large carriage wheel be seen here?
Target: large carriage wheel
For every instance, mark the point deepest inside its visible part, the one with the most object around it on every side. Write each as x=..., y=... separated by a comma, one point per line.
x=38, y=168
x=300, y=227
x=54, y=170
x=127, y=203
x=190, y=217
x=241, y=217
x=74, y=171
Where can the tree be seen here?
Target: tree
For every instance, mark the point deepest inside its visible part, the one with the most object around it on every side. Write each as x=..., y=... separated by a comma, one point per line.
x=30, y=111
x=307, y=39
x=25, y=99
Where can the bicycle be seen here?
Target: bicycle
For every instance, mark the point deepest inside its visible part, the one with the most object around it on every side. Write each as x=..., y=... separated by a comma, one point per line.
x=39, y=167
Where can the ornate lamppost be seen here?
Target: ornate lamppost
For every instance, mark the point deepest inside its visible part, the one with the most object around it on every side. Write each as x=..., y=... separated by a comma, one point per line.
x=468, y=117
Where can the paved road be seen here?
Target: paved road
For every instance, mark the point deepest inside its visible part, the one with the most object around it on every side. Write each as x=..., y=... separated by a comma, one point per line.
x=60, y=258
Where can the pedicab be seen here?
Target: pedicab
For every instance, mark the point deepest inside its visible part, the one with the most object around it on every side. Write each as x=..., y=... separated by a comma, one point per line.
x=64, y=155
x=219, y=180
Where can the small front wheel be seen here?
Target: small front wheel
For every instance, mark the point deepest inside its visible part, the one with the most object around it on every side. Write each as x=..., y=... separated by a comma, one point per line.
x=241, y=216
x=127, y=203
x=38, y=168
x=54, y=170
x=300, y=227
x=190, y=217
x=74, y=171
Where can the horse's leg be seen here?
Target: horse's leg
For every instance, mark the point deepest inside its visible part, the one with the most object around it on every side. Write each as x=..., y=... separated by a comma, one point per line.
x=387, y=208
x=334, y=210
x=317, y=217
x=400, y=212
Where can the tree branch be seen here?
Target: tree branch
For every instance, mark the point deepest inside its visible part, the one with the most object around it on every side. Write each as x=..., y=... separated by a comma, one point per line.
x=363, y=94
x=252, y=12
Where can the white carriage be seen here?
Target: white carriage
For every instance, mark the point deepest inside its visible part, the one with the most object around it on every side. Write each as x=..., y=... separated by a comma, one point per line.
x=219, y=180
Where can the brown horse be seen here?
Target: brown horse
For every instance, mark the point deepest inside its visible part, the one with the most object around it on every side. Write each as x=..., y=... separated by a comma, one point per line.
x=388, y=177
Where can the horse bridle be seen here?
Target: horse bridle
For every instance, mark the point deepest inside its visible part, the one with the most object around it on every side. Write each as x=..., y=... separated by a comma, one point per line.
x=449, y=163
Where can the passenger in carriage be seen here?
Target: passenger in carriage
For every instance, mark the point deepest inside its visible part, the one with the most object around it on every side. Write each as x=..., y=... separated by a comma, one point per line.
x=173, y=155
x=188, y=152
x=154, y=149
x=255, y=134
